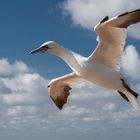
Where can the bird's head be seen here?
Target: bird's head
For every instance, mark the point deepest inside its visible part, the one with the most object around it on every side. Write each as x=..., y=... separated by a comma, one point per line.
x=50, y=47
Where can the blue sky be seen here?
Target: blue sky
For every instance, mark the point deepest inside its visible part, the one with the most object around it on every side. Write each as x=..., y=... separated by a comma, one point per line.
x=26, y=111
x=27, y=24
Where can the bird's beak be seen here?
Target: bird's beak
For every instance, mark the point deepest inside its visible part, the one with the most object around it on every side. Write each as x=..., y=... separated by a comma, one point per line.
x=35, y=51
x=41, y=49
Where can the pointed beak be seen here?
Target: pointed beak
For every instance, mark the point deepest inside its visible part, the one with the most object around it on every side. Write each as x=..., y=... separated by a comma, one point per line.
x=35, y=51
x=41, y=49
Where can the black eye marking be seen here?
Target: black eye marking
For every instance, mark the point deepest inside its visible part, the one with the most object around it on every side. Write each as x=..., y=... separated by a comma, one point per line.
x=48, y=86
x=46, y=47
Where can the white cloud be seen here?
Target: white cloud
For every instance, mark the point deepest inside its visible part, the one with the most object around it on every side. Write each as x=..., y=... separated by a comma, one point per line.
x=22, y=111
x=134, y=31
x=109, y=106
x=74, y=111
x=10, y=69
x=131, y=62
x=87, y=13
x=20, y=86
x=26, y=107
x=27, y=88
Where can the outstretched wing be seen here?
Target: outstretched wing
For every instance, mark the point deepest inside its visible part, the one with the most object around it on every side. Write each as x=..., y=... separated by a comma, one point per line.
x=111, y=38
x=59, y=88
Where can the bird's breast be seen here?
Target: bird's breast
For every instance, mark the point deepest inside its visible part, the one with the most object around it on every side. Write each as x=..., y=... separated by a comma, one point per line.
x=100, y=74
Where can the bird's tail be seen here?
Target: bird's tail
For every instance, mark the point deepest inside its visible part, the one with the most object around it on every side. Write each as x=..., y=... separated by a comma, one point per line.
x=129, y=95
x=132, y=99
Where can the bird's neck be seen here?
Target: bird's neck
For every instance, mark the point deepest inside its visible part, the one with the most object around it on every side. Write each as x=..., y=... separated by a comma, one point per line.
x=67, y=56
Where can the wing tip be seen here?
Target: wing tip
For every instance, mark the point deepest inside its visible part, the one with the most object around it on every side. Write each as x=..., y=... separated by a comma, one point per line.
x=123, y=14
x=137, y=10
x=60, y=106
x=104, y=19
x=60, y=101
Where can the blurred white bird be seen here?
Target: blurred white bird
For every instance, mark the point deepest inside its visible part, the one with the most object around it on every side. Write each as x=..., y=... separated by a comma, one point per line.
x=102, y=67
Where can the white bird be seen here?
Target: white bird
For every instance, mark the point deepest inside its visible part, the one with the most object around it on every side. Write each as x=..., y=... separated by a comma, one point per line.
x=102, y=67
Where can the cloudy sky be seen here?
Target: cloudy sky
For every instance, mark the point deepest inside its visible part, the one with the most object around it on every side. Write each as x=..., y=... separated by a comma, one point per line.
x=26, y=111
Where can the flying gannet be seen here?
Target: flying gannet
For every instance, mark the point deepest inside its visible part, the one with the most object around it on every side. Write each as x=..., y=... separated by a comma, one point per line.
x=102, y=67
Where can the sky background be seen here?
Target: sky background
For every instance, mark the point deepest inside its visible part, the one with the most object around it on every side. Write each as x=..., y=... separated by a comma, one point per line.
x=26, y=111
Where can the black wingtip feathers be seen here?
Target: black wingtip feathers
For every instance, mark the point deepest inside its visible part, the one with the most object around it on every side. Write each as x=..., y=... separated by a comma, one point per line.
x=105, y=19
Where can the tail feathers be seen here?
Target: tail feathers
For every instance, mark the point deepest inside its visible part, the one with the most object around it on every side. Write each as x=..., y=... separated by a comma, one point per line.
x=123, y=96
x=129, y=89
x=132, y=100
x=130, y=95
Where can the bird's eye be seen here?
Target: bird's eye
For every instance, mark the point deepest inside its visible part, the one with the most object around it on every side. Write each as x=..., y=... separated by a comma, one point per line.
x=48, y=86
x=43, y=46
x=46, y=47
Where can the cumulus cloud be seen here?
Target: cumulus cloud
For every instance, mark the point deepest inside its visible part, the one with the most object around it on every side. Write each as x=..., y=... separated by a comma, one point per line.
x=25, y=89
x=25, y=105
x=131, y=62
x=87, y=13
x=7, y=68
x=19, y=85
